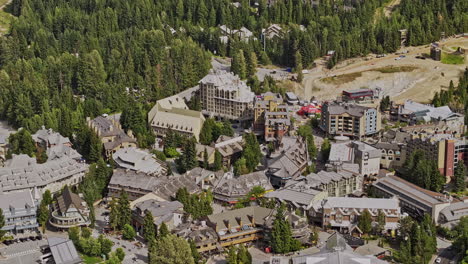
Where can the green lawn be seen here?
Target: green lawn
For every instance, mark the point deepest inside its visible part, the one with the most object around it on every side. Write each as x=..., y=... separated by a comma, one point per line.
x=90, y=260
x=452, y=59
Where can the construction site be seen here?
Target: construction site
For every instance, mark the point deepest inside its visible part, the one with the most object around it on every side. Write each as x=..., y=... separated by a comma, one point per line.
x=409, y=73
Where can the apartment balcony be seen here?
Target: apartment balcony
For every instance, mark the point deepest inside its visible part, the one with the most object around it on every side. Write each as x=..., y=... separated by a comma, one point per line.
x=61, y=222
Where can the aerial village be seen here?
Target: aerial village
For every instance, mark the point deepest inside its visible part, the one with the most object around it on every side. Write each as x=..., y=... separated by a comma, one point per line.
x=230, y=171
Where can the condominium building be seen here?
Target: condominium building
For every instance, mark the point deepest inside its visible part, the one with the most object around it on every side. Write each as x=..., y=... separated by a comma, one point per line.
x=19, y=210
x=168, y=212
x=111, y=134
x=173, y=114
x=438, y=147
x=139, y=160
x=343, y=212
x=366, y=156
x=46, y=138
x=337, y=183
x=349, y=119
x=64, y=166
x=223, y=94
x=70, y=211
x=271, y=117
x=290, y=161
x=231, y=189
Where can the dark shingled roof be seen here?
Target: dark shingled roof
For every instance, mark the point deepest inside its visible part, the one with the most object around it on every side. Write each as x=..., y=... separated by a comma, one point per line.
x=67, y=199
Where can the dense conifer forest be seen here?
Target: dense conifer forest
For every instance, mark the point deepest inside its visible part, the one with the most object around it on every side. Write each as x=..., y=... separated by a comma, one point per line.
x=65, y=60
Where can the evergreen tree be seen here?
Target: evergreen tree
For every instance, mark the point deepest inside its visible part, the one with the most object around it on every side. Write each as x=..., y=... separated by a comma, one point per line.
x=325, y=149
x=460, y=175
x=149, y=231
x=188, y=159
x=114, y=215
x=124, y=211
x=238, y=65
x=218, y=162
x=128, y=232
x=163, y=230
x=252, y=65
x=365, y=222
x=2, y=224
x=195, y=254
x=281, y=234
x=170, y=250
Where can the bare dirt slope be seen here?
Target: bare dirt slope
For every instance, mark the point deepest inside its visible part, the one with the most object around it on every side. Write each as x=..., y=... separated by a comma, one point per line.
x=420, y=83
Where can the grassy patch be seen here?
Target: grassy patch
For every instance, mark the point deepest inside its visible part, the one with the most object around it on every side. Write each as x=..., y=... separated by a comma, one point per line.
x=91, y=260
x=392, y=69
x=341, y=79
x=452, y=59
x=5, y=17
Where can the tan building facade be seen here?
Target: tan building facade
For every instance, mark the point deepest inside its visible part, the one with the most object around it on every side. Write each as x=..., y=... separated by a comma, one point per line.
x=350, y=120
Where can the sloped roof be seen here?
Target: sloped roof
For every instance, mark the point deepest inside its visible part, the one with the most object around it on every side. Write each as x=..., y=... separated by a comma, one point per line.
x=67, y=199
x=16, y=200
x=63, y=251
x=233, y=218
x=231, y=186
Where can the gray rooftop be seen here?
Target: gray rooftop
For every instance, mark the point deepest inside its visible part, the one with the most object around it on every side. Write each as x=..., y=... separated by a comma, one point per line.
x=406, y=190
x=314, y=180
x=423, y=110
x=298, y=197
x=50, y=137
x=455, y=211
x=63, y=251
x=16, y=200
x=361, y=203
x=139, y=160
x=133, y=179
x=347, y=151
x=105, y=126
x=351, y=109
x=23, y=172
x=289, y=163
x=163, y=210
x=234, y=187
x=336, y=251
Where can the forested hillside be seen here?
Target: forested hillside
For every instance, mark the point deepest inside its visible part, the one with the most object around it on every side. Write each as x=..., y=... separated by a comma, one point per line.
x=104, y=52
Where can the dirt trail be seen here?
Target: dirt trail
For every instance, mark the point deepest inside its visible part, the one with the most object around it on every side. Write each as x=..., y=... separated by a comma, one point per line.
x=420, y=84
x=389, y=8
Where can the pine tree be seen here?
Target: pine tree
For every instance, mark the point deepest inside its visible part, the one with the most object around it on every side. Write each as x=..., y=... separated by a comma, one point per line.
x=238, y=65
x=124, y=211
x=365, y=222
x=188, y=159
x=2, y=224
x=95, y=148
x=195, y=254
x=281, y=234
x=252, y=65
x=325, y=149
x=460, y=175
x=205, y=159
x=218, y=162
x=163, y=230
x=148, y=226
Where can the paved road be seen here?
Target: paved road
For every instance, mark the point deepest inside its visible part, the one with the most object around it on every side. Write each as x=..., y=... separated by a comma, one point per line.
x=133, y=254
x=446, y=256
